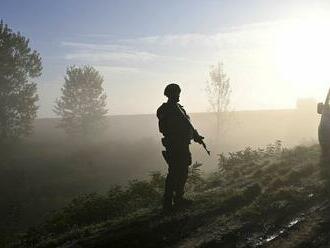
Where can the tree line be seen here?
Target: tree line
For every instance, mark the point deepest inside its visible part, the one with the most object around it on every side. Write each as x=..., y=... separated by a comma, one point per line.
x=82, y=105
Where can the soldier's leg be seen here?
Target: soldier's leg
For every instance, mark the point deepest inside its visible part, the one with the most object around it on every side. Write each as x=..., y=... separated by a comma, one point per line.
x=185, y=161
x=169, y=188
x=180, y=182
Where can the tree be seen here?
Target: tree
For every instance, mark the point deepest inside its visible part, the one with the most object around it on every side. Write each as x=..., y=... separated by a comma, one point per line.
x=218, y=89
x=83, y=103
x=18, y=94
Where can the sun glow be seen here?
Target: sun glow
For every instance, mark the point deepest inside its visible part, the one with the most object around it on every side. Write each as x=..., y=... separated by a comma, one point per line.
x=303, y=53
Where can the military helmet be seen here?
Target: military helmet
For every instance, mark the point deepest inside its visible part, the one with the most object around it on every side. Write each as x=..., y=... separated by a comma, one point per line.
x=172, y=89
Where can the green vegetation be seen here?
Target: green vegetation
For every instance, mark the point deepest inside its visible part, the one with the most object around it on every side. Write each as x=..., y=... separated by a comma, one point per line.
x=18, y=94
x=82, y=106
x=257, y=197
x=57, y=186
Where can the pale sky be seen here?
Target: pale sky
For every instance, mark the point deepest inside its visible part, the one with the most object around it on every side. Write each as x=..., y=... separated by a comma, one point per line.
x=273, y=51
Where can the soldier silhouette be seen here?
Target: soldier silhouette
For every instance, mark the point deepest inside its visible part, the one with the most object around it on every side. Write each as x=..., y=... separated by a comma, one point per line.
x=178, y=132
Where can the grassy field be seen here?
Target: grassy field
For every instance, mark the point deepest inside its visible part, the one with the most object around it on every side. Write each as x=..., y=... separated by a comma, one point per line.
x=46, y=171
x=269, y=197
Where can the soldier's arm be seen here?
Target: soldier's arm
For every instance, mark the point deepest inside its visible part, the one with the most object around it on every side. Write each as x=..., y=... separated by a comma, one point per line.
x=161, y=115
x=194, y=134
x=197, y=138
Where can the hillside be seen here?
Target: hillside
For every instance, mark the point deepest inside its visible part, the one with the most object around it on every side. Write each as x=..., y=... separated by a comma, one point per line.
x=123, y=135
x=47, y=170
x=270, y=197
x=254, y=127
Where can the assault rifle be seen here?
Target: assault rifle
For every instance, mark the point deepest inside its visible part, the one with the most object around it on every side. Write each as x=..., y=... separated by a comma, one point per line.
x=195, y=131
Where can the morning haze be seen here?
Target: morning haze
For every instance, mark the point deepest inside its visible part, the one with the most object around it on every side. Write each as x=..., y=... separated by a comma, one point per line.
x=100, y=101
x=264, y=50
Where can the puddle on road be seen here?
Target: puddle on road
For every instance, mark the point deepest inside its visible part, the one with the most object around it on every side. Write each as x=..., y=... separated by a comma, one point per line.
x=267, y=239
x=292, y=223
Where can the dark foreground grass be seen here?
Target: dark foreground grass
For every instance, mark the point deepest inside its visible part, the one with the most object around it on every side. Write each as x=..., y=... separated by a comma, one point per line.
x=257, y=198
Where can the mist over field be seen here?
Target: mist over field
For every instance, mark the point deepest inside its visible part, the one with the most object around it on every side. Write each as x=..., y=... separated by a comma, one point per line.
x=100, y=99
x=54, y=169
x=130, y=147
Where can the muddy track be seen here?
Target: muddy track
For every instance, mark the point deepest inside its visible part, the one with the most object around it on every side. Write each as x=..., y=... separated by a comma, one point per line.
x=220, y=226
x=311, y=229
x=165, y=231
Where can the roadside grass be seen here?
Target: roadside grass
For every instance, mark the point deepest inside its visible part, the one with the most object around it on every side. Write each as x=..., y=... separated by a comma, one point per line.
x=254, y=193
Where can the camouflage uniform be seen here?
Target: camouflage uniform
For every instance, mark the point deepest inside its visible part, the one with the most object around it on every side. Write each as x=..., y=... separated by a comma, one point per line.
x=177, y=136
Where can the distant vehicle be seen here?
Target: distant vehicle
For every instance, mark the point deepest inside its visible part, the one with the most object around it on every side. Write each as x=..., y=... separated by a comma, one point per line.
x=324, y=127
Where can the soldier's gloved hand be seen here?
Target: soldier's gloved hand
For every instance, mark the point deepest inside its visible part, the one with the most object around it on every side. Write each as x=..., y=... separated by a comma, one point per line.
x=198, y=139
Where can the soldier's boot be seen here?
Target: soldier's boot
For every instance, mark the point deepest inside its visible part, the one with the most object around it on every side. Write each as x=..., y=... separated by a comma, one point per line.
x=182, y=202
x=179, y=200
x=167, y=205
x=168, y=194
